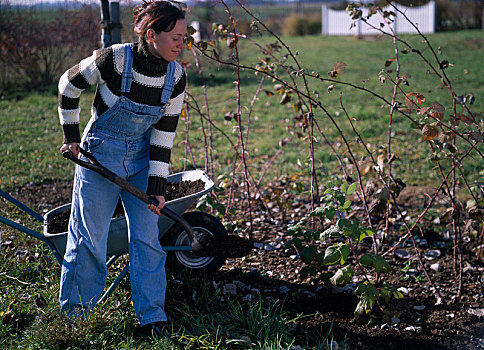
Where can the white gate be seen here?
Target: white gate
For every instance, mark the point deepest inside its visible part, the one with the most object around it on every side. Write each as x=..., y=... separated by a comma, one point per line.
x=338, y=22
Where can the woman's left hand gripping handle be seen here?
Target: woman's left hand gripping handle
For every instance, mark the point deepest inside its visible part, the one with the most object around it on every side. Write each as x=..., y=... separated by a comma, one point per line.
x=72, y=147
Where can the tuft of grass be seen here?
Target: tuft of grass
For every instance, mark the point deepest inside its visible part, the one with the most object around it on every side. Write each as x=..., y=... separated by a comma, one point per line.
x=204, y=317
x=249, y=324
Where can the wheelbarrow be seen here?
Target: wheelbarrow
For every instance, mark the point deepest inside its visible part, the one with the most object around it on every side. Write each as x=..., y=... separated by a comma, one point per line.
x=178, y=230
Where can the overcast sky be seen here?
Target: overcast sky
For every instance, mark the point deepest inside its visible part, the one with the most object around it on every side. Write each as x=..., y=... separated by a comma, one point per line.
x=33, y=2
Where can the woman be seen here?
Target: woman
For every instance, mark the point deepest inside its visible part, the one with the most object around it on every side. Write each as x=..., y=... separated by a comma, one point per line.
x=139, y=96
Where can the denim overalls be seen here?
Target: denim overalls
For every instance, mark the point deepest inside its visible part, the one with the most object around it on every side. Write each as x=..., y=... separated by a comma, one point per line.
x=120, y=140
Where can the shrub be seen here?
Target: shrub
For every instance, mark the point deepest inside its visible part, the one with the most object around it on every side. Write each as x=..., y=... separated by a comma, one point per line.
x=275, y=25
x=297, y=25
x=36, y=47
x=455, y=15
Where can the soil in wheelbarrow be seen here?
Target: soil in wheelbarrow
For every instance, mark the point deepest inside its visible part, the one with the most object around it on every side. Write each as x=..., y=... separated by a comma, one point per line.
x=174, y=190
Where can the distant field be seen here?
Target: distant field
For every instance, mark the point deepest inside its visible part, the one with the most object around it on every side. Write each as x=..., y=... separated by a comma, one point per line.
x=31, y=135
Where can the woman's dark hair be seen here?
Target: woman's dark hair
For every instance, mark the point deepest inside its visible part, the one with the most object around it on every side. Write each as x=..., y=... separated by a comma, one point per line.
x=161, y=16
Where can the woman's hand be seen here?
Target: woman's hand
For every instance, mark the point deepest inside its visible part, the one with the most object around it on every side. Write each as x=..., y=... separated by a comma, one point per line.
x=161, y=204
x=73, y=147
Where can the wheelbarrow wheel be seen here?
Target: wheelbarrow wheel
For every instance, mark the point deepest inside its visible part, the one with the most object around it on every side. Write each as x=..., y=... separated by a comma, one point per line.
x=202, y=223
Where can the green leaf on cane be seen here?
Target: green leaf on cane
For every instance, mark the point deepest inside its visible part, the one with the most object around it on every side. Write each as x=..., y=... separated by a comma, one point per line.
x=337, y=253
x=343, y=275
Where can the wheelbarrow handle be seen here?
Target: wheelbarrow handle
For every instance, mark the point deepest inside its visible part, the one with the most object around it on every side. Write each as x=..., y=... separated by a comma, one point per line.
x=94, y=165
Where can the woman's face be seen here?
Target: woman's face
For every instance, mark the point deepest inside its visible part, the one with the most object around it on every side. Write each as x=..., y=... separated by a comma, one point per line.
x=167, y=45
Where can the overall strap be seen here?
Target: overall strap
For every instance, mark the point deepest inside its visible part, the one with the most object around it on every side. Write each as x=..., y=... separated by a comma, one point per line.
x=169, y=83
x=127, y=75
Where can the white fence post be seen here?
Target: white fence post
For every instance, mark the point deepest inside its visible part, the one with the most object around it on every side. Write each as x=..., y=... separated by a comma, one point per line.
x=324, y=19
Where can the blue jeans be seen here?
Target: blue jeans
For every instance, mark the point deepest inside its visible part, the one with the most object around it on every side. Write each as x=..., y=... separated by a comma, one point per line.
x=119, y=139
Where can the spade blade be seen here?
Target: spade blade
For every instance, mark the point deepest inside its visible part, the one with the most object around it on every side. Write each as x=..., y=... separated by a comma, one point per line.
x=222, y=246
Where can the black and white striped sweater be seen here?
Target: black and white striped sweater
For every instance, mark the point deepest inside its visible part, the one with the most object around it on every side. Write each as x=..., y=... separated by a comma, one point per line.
x=104, y=68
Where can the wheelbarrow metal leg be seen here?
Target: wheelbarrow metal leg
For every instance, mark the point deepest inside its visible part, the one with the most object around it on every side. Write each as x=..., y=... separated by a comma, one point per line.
x=113, y=286
x=112, y=260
